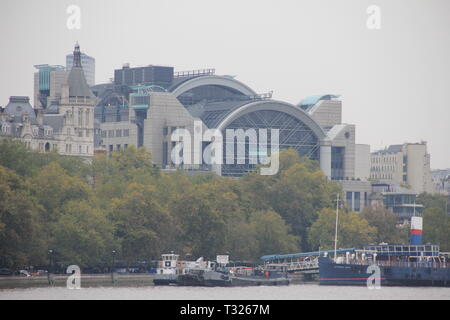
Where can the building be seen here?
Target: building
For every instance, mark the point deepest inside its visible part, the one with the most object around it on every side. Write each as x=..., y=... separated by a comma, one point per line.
x=88, y=64
x=64, y=125
x=407, y=165
x=144, y=112
x=441, y=180
x=143, y=106
x=399, y=200
x=362, y=163
x=48, y=82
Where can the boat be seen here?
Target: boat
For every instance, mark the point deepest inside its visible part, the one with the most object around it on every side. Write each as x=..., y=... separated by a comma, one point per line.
x=233, y=277
x=167, y=271
x=170, y=268
x=411, y=264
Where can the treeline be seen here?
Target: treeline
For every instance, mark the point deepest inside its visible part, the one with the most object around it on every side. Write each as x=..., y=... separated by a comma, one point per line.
x=123, y=203
x=436, y=219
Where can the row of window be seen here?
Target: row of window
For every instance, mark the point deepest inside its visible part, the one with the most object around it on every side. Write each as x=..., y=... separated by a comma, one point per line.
x=353, y=200
x=118, y=147
x=116, y=133
x=78, y=132
x=381, y=176
x=384, y=159
x=83, y=117
x=81, y=149
x=383, y=168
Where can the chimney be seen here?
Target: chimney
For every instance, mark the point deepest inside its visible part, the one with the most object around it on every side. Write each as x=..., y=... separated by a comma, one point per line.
x=416, y=230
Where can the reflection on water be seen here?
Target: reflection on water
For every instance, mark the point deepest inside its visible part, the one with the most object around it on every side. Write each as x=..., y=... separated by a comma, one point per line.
x=305, y=291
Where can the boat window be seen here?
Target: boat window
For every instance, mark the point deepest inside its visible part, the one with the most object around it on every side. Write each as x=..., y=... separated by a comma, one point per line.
x=399, y=249
x=405, y=249
x=421, y=248
x=428, y=248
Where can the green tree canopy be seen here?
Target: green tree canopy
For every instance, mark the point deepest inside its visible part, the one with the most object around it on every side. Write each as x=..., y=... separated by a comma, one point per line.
x=436, y=227
x=386, y=224
x=353, y=230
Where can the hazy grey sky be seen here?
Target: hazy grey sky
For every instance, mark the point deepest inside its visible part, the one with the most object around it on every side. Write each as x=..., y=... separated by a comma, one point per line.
x=394, y=82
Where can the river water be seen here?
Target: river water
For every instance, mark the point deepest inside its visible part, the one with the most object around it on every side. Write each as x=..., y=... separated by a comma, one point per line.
x=300, y=292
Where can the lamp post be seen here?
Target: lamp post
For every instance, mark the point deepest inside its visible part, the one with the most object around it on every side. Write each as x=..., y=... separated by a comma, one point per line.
x=50, y=268
x=336, y=229
x=113, y=279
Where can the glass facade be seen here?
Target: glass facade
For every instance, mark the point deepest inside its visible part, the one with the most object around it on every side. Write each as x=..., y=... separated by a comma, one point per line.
x=403, y=204
x=292, y=134
x=337, y=163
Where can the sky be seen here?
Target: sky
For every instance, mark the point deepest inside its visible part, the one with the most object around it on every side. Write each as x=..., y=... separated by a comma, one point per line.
x=394, y=81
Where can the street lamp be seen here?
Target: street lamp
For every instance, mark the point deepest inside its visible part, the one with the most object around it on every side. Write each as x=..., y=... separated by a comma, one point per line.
x=50, y=252
x=113, y=260
x=113, y=266
x=49, y=276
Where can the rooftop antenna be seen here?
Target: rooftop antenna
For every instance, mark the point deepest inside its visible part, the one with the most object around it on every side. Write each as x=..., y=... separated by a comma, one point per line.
x=336, y=229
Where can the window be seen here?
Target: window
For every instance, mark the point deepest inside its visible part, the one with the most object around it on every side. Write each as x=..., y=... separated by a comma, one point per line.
x=111, y=133
x=80, y=118
x=118, y=133
x=118, y=147
x=111, y=147
x=165, y=131
x=357, y=201
x=126, y=132
x=165, y=155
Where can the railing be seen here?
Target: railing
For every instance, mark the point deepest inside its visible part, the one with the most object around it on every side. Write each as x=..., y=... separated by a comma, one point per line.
x=406, y=264
x=192, y=73
x=295, y=265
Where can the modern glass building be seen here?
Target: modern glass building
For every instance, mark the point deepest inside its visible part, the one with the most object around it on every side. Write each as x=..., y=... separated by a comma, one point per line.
x=88, y=64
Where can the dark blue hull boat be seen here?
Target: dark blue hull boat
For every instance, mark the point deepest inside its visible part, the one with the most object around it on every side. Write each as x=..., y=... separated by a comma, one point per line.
x=406, y=274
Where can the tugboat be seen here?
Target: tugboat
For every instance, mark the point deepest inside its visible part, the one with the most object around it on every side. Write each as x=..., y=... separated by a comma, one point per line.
x=167, y=271
x=414, y=264
x=233, y=277
x=170, y=268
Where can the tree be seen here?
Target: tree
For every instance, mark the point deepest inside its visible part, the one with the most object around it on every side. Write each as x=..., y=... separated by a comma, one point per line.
x=434, y=201
x=21, y=243
x=113, y=173
x=82, y=235
x=386, y=224
x=353, y=230
x=143, y=226
x=53, y=187
x=26, y=162
x=271, y=234
x=436, y=227
x=296, y=193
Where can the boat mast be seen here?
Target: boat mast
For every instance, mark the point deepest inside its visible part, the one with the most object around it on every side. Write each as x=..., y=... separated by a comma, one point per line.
x=336, y=230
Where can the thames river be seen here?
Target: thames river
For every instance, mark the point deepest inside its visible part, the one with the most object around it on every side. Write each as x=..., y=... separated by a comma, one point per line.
x=292, y=292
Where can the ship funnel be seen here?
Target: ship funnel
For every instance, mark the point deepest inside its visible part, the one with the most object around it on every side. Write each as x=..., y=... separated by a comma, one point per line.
x=416, y=230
